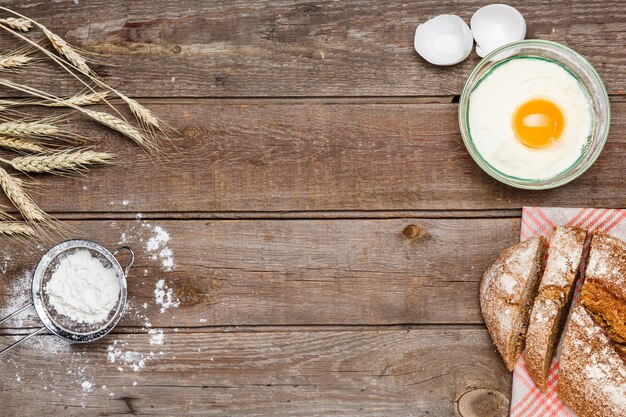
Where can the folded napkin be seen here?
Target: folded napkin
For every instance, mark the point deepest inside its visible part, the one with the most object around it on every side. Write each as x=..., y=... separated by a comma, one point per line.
x=526, y=399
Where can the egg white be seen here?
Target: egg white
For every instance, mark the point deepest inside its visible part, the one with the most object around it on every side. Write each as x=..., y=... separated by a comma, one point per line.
x=492, y=105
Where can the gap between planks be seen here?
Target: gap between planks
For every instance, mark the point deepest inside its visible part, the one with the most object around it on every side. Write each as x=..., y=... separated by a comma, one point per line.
x=293, y=215
x=262, y=328
x=302, y=100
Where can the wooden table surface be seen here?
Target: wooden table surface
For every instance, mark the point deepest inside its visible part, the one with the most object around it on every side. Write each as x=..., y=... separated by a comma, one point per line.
x=314, y=241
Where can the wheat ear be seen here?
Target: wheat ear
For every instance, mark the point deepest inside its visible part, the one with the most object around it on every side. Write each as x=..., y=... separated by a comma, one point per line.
x=120, y=125
x=18, y=23
x=84, y=99
x=15, y=144
x=12, y=61
x=80, y=63
x=66, y=161
x=15, y=191
x=66, y=50
x=19, y=129
x=16, y=229
x=106, y=119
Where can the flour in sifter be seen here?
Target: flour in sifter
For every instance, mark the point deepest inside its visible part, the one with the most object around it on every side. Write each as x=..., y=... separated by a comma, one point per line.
x=83, y=289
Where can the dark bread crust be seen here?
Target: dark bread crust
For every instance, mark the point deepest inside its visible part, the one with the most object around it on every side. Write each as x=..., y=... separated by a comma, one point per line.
x=592, y=375
x=507, y=291
x=553, y=300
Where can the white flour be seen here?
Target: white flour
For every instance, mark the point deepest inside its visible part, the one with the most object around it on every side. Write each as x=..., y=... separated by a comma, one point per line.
x=83, y=289
x=164, y=296
x=158, y=249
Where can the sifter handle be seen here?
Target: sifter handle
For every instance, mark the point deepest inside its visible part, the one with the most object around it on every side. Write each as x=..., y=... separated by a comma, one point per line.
x=23, y=339
x=132, y=258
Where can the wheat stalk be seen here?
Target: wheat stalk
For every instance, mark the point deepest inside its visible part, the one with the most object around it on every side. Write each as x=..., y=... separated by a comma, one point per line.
x=18, y=23
x=82, y=99
x=144, y=115
x=16, y=229
x=65, y=161
x=106, y=119
x=19, y=144
x=15, y=191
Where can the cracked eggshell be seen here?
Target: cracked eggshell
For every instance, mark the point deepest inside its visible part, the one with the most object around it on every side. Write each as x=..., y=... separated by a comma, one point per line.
x=496, y=25
x=444, y=40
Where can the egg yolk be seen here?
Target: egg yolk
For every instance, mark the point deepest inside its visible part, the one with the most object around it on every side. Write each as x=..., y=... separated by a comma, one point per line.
x=538, y=122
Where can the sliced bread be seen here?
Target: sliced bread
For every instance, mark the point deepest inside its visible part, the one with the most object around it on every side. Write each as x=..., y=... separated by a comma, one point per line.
x=592, y=375
x=507, y=291
x=604, y=292
x=553, y=300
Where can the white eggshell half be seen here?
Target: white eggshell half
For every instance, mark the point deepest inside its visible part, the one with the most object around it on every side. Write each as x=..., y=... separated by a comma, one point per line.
x=444, y=40
x=496, y=25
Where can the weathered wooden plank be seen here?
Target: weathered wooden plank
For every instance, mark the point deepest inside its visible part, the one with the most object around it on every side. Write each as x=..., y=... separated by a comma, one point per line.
x=373, y=373
x=300, y=48
x=292, y=157
x=293, y=272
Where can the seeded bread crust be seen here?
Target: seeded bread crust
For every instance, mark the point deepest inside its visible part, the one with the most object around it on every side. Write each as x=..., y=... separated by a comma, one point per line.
x=507, y=291
x=592, y=375
x=553, y=300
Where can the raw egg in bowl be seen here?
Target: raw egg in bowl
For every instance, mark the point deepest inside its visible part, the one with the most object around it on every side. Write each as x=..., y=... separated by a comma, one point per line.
x=534, y=114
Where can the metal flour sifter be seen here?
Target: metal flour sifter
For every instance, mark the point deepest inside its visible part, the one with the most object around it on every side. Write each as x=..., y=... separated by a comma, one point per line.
x=63, y=326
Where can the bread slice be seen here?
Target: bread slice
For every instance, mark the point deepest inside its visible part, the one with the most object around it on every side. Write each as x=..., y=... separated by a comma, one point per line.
x=604, y=292
x=592, y=375
x=553, y=300
x=507, y=291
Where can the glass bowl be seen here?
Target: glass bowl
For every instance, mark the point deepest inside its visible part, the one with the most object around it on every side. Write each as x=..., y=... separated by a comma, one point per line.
x=586, y=75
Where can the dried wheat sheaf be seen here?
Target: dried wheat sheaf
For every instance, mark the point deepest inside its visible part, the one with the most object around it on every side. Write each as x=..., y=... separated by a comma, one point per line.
x=42, y=143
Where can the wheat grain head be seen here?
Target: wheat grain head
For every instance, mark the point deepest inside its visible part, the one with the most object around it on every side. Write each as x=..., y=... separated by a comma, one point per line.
x=65, y=161
x=16, y=144
x=13, y=229
x=17, y=23
x=14, y=190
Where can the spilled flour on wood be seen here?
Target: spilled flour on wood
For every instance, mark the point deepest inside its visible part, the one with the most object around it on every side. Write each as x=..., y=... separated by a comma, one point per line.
x=124, y=353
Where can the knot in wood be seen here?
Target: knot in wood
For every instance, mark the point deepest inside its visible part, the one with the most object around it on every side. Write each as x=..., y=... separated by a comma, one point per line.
x=176, y=49
x=483, y=402
x=191, y=132
x=187, y=295
x=415, y=232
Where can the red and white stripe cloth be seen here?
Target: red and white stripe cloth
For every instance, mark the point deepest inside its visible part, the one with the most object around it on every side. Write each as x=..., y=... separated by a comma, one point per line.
x=526, y=399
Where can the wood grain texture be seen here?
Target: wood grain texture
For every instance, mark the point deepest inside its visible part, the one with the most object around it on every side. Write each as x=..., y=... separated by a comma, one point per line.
x=263, y=157
x=249, y=48
x=292, y=272
x=346, y=373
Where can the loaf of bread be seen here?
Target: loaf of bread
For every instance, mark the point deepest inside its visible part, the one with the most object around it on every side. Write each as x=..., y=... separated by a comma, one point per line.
x=553, y=300
x=507, y=291
x=592, y=376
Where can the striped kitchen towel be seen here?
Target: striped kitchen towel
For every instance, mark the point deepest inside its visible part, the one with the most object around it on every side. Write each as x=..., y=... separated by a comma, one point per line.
x=526, y=399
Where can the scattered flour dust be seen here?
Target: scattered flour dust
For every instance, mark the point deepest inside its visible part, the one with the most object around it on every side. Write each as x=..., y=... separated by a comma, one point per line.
x=158, y=249
x=156, y=336
x=129, y=359
x=164, y=296
x=155, y=241
x=87, y=386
